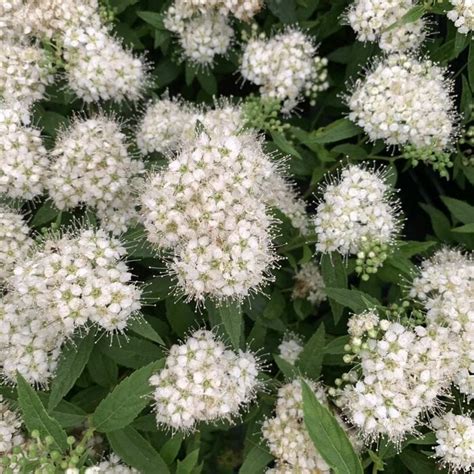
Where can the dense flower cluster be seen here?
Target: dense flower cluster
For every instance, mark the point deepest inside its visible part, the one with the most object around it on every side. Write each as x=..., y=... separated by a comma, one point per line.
x=455, y=441
x=203, y=381
x=309, y=284
x=112, y=465
x=290, y=348
x=99, y=68
x=405, y=101
x=92, y=167
x=462, y=15
x=359, y=208
x=371, y=20
x=10, y=424
x=205, y=207
x=445, y=287
x=24, y=160
x=399, y=375
x=14, y=240
x=286, y=435
x=59, y=286
x=285, y=67
x=25, y=71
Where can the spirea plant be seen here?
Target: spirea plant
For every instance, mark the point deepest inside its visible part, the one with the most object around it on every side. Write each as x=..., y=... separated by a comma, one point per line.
x=236, y=236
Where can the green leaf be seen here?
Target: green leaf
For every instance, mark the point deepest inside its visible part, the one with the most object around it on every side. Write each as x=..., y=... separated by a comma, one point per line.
x=410, y=248
x=71, y=364
x=355, y=300
x=310, y=360
x=152, y=18
x=417, y=463
x=256, y=461
x=439, y=222
x=126, y=401
x=461, y=210
x=171, y=448
x=180, y=316
x=45, y=214
x=334, y=275
x=288, y=370
x=52, y=122
x=136, y=451
x=466, y=99
x=166, y=72
x=102, y=369
x=142, y=327
x=35, y=416
x=328, y=436
x=121, y=5
x=410, y=16
x=470, y=65
x=284, y=10
x=284, y=145
x=187, y=465
x=232, y=319
x=208, y=82
x=339, y=130
x=465, y=229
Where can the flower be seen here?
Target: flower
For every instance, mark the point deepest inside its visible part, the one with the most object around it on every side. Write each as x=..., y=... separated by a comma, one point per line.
x=462, y=15
x=405, y=101
x=356, y=212
x=91, y=166
x=286, y=434
x=455, y=441
x=14, y=240
x=203, y=381
x=112, y=465
x=10, y=425
x=371, y=19
x=309, y=284
x=201, y=36
x=241, y=9
x=290, y=348
x=205, y=208
x=99, y=68
x=285, y=67
x=25, y=71
x=24, y=159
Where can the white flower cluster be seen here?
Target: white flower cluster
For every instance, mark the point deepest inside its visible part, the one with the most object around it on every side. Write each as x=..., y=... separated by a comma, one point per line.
x=205, y=207
x=203, y=27
x=309, y=284
x=61, y=285
x=10, y=425
x=24, y=160
x=455, y=441
x=286, y=434
x=359, y=208
x=405, y=101
x=112, y=465
x=91, y=166
x=445, y=287
x=400, y=374
x=99, y=68
x=290, y=348
x=203, y=381
x=50, y=18
x=14, y=240
x=462, y=15
x=25, y=71
x=285, y=67
x=370, y=19
x=12, y=25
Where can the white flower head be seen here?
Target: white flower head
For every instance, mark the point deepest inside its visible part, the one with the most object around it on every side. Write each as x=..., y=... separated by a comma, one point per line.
x=455, y=441
x=462, y=15
x=10, y=428
x=405, y=101
x=371, y=19
x=203, y=381
x=290, y=348
x=23, y=158
x=285, y=67
x=14, y=240
x=309, y=284
x=241, y=9
x=356, y=210
x=99, y=68
x=92, y=167
x=112, y=465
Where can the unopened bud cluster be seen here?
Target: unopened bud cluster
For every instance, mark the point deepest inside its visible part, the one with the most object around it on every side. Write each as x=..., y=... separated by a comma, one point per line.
x=439, y=160
x=370, y=258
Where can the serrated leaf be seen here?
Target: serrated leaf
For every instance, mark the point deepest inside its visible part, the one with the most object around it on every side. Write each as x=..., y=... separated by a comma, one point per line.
x=334, y=275
x=136, y=451
x=45, y=214
x=439, y=222
x=232, y=319
x=142, y=327
x=288, y=370
x=310, y=360
x=284, y=145
x=102, y=369
x=35, y=416
x=355, y=300
x=328, y=436
x=126, y=401
x=339, y=130
x=256, y=461
x=71, y=364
